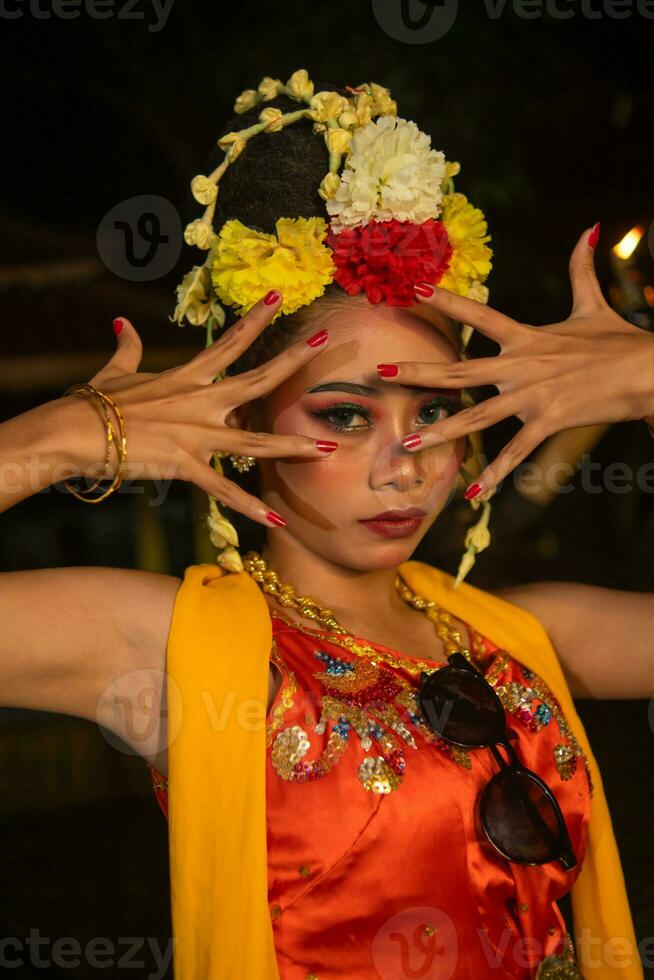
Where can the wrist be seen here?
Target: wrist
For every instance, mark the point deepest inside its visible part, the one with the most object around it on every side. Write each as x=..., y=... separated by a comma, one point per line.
x=75, y=440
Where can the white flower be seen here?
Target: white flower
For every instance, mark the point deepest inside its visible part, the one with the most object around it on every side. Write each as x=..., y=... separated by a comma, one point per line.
x=391, y=172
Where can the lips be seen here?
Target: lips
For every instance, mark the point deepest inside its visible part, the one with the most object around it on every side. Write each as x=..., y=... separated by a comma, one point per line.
x=396, y=523
x=397, y=515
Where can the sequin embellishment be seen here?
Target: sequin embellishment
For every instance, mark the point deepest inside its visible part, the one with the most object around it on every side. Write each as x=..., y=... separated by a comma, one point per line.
x=534, y=705
x=365, y=697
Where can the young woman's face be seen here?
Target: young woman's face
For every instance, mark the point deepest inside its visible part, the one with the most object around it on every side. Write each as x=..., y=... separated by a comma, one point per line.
x=330, y=503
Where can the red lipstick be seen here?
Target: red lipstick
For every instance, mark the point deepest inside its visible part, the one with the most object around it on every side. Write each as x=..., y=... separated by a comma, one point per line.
x=396, y=523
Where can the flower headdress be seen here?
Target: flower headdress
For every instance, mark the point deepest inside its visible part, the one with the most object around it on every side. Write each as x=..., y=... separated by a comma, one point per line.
x=392, y=219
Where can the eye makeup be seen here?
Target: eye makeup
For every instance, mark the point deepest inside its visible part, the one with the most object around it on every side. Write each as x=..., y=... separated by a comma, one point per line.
x=339, y=414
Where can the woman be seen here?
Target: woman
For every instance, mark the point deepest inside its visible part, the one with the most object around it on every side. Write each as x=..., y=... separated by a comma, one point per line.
x=343, y=834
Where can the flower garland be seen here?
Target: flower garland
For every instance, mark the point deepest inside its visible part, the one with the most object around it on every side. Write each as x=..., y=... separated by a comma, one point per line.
x=393, y=219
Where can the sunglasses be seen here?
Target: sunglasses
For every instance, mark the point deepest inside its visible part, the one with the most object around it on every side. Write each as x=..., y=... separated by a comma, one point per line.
x=519, y=812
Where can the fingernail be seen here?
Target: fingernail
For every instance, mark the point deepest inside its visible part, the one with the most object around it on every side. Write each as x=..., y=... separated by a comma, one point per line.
x=593, y=238
x=271, y=297
x=387, y=370
x=410, y=442
x=118, y=326
x=318, y=338
x=424, y=289
x=325, y=446
x=275, y=519
x=472, y=491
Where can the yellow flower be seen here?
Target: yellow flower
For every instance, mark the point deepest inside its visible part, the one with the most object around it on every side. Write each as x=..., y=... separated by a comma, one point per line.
x=299, y=87
x=383, y=104
x=246, y=100
x=246, y=263
x=221, y=531
x=478, y=292
x=327, y=105
x=228, y=138
x=198, y=233
x=195, y=299
x=363, y=108
x=204, y=190
x=273, y=118
x=471, y=258
x=269, y=88
x=329, y=185
x=230, y=560
x=338, y=140
x=348, y=118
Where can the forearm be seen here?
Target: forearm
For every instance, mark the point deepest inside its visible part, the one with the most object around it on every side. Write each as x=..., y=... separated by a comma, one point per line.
x=55, y=441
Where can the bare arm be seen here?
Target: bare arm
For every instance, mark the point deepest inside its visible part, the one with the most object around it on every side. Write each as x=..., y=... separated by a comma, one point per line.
x=603, y=637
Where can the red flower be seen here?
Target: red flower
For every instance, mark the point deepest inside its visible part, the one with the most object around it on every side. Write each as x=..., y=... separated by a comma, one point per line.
x=387, y=258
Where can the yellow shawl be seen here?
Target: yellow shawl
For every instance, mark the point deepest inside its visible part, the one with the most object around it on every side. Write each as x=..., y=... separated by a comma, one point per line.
x=218, y=662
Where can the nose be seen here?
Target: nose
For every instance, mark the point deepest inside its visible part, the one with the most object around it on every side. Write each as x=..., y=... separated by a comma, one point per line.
x=394, y=468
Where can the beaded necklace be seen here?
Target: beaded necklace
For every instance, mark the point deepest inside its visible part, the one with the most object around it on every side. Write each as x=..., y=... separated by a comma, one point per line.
x=268, y=581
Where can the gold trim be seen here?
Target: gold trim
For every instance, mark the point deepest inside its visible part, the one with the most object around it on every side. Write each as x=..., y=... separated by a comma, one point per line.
x=288, y=690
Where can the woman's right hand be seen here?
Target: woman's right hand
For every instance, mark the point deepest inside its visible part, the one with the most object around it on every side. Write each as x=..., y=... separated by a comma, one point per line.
x=177, y=419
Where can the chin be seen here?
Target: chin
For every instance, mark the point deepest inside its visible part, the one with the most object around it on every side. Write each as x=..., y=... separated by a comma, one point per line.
x=373, y=556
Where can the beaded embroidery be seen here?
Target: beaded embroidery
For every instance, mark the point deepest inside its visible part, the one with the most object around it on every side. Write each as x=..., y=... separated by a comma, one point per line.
x=365, y=697
x=534, y=705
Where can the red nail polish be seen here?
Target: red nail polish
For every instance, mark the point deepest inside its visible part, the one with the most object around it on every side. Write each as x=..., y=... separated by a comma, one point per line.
x=318, y=338
x=275, y=519
x=271, y=297
x=424, y=289
x=472, y=491
x=325, y=446
x=410, y=442
x=593, y=238
x=118, y=326
x=388, y=370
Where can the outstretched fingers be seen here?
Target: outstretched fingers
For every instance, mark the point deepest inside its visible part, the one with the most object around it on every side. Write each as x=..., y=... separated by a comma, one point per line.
x=263, y=379
x=484, y=318
x=216, y=358
x=230, y=494
x=514, y=453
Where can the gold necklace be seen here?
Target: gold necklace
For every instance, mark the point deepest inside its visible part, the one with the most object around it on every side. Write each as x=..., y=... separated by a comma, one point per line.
x=268, y=581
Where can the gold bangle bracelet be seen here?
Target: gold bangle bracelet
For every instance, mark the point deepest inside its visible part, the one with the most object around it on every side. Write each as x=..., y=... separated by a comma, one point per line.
x=100, y=400
x=110, y=433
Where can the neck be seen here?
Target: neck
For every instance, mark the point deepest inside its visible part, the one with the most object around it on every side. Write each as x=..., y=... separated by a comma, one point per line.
x=349, y=592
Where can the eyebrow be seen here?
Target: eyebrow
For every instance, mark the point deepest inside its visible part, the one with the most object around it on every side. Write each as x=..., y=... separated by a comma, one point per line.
x=366, y=390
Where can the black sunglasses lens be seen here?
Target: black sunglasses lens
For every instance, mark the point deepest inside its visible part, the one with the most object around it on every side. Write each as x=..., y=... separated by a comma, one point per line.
x=521, y=820
x=460, y=705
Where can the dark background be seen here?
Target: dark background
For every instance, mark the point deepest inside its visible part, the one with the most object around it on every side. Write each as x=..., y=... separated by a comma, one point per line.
x=552, y=122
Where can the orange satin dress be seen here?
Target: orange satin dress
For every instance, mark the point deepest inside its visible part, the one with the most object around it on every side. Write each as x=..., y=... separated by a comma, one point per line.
x=377, y=864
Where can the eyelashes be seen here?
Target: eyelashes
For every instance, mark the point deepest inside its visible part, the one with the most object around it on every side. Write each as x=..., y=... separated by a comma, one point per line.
x=339, y=415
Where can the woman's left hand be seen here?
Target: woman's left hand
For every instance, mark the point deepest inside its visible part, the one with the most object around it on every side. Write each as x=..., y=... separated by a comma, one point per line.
x=593, y=368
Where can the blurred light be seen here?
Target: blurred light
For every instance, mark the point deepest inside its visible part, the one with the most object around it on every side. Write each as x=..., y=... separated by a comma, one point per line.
x=625, y=248
x=649, y=295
